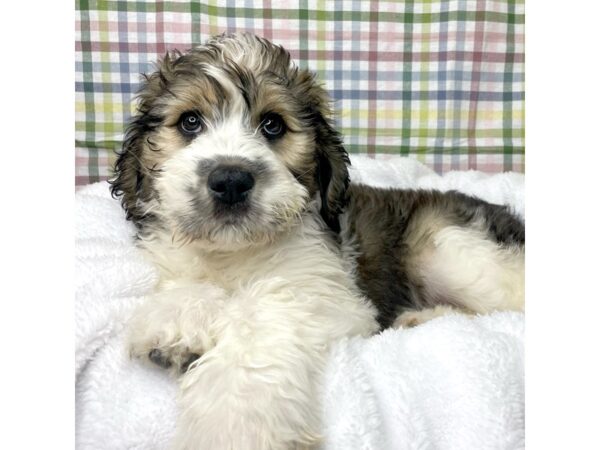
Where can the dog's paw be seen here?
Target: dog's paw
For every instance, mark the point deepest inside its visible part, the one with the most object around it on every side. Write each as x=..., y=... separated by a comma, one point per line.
x=166, y=360
x=166, y=346
x=412, y=318
x=173, y=328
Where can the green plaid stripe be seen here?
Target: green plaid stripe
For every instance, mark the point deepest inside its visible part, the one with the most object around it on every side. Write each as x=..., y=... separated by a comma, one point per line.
x=440, y=81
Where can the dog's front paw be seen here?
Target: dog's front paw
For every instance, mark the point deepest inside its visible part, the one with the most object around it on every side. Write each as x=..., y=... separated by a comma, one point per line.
x=166, y=345
x=167, y=359
x=173, y=328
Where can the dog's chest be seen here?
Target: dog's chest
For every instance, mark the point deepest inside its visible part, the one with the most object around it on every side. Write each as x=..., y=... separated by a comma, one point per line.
x=301, y=256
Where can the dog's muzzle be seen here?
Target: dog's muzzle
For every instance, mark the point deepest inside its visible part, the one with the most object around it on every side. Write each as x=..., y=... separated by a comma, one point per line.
x=230, y=185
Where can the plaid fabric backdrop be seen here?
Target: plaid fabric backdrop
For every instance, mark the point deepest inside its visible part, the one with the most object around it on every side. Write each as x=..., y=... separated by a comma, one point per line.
x=440, y=81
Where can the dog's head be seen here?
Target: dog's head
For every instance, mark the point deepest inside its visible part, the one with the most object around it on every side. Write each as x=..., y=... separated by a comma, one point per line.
x=230, y=144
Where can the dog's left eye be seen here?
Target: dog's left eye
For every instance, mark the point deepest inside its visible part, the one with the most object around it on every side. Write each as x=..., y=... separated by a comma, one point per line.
x=273, y=126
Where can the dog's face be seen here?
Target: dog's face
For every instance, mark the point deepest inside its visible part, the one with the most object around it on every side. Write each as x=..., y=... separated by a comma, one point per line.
x=230, y=144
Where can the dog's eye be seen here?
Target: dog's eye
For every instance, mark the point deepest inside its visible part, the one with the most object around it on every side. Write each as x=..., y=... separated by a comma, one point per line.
x=190, y=122
x=272, y=126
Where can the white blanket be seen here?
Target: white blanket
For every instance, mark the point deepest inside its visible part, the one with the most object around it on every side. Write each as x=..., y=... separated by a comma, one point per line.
x=452, y=383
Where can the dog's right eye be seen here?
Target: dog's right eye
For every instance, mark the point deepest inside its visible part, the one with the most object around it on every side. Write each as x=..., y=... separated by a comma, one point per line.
x=190, y=123
x=272, y=126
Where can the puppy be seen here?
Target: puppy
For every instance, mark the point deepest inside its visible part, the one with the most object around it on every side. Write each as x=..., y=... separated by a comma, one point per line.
x=238, y=186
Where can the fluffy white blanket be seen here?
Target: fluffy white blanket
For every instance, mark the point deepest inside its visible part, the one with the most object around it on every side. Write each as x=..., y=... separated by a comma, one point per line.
x=452, y=383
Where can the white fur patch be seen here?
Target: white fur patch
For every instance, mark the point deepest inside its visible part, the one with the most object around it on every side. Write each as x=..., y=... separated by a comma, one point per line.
x=264, y=335
x=468, y=270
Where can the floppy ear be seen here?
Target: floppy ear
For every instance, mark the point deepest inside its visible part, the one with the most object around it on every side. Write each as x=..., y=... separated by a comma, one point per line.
x=332, y=171
x=131, y=179
x=331, y=156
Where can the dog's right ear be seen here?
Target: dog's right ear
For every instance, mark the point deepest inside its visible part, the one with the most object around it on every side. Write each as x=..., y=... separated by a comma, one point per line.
x=131, y=180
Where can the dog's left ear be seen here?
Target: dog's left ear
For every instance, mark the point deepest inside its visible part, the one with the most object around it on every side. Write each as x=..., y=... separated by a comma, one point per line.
x=332, y=159
x=332, y=172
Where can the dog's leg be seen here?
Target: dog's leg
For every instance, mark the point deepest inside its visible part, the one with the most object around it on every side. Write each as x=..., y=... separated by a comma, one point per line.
x=251, y=395
x=462, y=270
x=172, y=328
x=258, y=388
x=413, y=317
x=475, y=273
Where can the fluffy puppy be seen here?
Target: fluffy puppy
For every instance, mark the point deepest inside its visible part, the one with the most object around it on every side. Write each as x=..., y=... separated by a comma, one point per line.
x=238, y=185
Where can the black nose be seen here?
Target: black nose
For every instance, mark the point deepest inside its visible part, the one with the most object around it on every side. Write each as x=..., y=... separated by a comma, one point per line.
x=230, y=185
